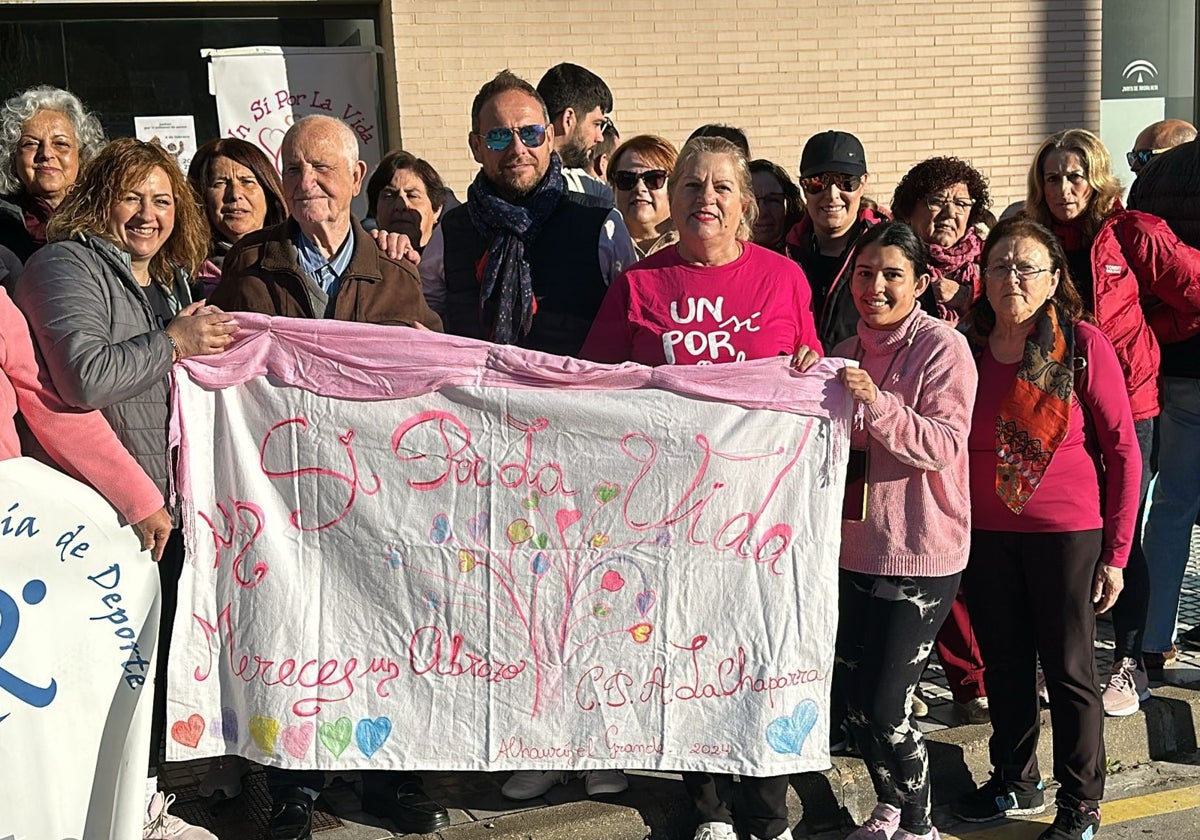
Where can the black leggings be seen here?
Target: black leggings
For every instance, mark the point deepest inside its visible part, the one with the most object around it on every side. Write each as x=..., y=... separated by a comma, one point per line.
x=885, y=635
x=763, y=801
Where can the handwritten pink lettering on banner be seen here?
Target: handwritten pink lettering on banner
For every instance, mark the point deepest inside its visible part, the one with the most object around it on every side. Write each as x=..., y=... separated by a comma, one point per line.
x=484, y=559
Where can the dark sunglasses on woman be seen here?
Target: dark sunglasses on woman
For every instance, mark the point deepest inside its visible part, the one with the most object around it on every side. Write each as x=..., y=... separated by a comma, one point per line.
x=815, y=184
x=653, y=178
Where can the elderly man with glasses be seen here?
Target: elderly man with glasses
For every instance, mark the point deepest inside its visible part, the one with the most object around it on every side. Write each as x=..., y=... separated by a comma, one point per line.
x=527, y=260
x=1157, y=138
x=833, y=175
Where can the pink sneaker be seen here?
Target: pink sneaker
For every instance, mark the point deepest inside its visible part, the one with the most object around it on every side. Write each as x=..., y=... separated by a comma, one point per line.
x=881, y=825
x=901, y=834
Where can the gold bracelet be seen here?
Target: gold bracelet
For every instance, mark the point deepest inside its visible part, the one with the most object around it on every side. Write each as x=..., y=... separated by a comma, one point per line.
x=175, y=354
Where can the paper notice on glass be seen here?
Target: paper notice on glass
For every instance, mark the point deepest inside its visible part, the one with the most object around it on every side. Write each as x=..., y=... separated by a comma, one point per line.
x=175, y=134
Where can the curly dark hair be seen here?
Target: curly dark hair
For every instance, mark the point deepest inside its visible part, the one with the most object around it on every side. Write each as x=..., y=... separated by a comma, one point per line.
x=938, y=173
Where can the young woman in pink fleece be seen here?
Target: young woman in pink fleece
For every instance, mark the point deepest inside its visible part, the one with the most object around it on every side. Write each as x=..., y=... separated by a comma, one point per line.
x=82, y=443
x=900, y=565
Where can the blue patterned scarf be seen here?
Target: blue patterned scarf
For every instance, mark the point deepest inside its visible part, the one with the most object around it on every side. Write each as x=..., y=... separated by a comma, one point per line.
x=506, y=286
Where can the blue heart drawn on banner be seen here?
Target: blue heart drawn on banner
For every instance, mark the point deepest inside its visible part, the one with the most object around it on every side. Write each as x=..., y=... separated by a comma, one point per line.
x=370, y=734
x=786, y=735
x=440, y=532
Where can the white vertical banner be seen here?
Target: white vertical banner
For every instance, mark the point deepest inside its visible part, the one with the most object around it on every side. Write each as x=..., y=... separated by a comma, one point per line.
x=260, y=91
x=78, y=629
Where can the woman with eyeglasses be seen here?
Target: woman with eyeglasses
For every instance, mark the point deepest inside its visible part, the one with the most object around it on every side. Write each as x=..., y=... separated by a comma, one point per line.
x=780, y=205
x=110, y=309
x=638, y=173
x=651, y=316
x=833, y=175
x=943, y=198
x=1124, y=263
x=1054, y=469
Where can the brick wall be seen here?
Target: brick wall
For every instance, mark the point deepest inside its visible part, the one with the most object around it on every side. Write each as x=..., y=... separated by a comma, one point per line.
x=984, y=80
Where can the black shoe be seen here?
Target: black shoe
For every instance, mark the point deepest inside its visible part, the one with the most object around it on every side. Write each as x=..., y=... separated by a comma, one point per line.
x=997, y=799
x=1074, y=821
x=409, y=807
x=291, y=815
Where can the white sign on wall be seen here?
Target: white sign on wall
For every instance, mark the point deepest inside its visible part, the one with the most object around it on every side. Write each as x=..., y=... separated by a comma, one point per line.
x=261, y=90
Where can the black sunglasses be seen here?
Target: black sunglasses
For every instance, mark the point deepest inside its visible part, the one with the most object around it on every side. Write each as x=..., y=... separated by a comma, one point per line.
x=653, y=178
x=1140, y=157
x=499, y=139
x=815, y=184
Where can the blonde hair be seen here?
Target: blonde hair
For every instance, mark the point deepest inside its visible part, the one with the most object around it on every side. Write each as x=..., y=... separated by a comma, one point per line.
x=122, y=165
x=697, y=146
x=1097, y=170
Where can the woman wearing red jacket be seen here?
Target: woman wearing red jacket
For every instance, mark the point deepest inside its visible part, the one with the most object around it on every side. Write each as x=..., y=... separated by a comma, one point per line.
x=1122, y=261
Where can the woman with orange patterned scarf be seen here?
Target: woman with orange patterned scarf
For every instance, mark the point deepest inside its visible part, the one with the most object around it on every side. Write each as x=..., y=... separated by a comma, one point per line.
x=1051, y=529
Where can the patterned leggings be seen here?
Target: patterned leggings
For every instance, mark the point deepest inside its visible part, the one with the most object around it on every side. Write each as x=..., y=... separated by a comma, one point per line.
x=885, y=636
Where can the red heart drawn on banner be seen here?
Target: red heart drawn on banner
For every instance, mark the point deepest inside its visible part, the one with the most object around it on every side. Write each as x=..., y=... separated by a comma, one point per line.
x=188, y=732
x=566, y=517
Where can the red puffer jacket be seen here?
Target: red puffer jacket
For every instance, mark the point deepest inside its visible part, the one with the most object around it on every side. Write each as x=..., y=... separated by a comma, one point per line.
x=1138, y=261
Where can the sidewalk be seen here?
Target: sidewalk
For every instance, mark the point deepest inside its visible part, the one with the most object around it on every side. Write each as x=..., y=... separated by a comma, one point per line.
x=655, y=803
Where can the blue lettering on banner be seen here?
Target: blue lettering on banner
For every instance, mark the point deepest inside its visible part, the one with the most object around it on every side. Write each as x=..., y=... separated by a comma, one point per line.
x=10, y=620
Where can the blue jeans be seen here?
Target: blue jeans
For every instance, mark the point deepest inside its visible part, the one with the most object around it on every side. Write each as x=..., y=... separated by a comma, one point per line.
x=1176, y=501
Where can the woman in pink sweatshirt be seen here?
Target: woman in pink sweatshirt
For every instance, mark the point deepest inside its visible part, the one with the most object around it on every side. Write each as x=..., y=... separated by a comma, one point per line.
x=82, y=443
x=905, y=532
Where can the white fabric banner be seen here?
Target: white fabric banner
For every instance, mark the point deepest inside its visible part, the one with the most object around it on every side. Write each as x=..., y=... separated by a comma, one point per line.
x=78, y=626
x=489, y=578
x=261, y=90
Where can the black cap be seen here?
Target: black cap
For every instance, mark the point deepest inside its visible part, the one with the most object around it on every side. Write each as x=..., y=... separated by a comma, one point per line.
x=833, y=151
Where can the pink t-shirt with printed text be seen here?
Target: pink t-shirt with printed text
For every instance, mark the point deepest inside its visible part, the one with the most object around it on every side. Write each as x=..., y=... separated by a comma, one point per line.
x=663, y=310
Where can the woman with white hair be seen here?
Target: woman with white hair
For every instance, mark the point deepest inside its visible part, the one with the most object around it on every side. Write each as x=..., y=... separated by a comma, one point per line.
x=46, y=137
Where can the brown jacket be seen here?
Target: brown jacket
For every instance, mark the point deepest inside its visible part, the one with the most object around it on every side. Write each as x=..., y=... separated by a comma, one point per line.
x=261, y=274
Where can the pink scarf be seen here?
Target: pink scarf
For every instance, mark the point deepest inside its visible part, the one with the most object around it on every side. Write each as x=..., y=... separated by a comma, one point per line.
x=959, y=262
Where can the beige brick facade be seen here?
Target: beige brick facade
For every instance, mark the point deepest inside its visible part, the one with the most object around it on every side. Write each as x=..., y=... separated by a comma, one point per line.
x=984, y=80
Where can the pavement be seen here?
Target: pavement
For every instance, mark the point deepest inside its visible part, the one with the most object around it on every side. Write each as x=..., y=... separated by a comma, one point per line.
x=820, y=804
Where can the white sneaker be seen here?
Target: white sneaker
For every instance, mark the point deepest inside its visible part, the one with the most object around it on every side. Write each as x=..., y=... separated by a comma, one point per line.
x=530, y=784
x=163, y=826
x=224, y=777
x=787, y=835
x=605, y=782
x=715, y=831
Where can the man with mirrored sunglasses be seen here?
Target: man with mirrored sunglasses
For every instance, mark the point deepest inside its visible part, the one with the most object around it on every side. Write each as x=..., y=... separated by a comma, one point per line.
x=833, y=176
x=1157, y=138
x=528, y=261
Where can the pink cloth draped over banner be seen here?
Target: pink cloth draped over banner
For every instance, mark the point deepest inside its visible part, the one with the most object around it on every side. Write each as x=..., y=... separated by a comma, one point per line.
x=409, y=550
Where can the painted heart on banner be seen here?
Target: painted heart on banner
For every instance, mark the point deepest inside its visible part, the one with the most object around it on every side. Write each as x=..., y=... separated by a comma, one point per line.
x=565, y=518
x=606, y=491
x=539, y=564
x=188, y=732
x=335, y=736
x=600, y=540
x=786, y=735
x=541, y=540
x=519, y=531
x=226, y=727
x=393, y=557
x=296, y=739
x=478, y=526
x=641, y=632
x=612, y=581
x=264, y=730
x=663, y=538
x=466, y=560
x=532, y=501
x=644, y=601
x=370, y=734
x=271, y=141
x=440, y=532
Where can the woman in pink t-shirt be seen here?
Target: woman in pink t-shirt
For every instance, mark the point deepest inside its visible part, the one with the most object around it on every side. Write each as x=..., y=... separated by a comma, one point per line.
x=1051, y=530
x=712, y=298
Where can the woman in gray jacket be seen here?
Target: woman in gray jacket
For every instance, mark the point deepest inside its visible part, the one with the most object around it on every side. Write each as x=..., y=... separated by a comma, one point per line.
x=110, y=309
